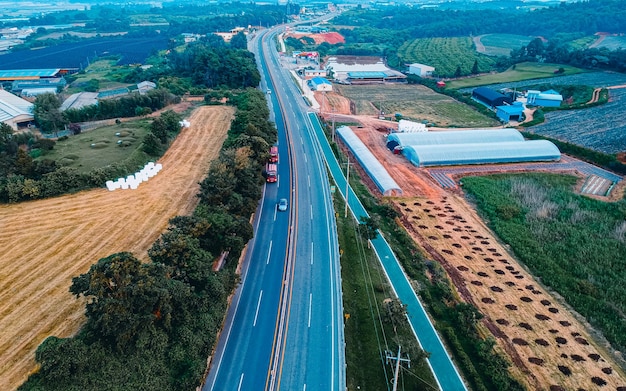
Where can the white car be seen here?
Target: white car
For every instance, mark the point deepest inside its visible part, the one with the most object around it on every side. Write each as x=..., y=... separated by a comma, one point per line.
x=282, y=204
x=269, y=91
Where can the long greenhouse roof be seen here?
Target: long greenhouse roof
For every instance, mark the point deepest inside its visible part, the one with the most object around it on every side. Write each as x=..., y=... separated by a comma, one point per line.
x=481, y=153
x=369, y=162
x=456, y=137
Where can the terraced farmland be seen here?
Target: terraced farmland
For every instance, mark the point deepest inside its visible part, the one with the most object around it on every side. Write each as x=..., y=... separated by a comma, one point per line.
x=601, y=128
x=47, y=242
x=414, y=102
x=445, y=54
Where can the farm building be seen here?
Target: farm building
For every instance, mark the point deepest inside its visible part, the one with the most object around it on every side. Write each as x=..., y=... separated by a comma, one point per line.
x=80, y=100
x=471, y=147
x=55, y=83
x=33, y=92
x=489, y=97
x=320, y=84
x=145, y=86
x=512, y=112
x=410, y=126
x=311, y=73
x=369, y=162
x=11, y=75
x=361, y=70
x=15, y=111
x=548, y=98
x=421, y=70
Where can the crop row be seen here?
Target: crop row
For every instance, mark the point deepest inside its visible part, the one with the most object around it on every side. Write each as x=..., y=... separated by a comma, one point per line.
x=601, y=128
x=445, y=54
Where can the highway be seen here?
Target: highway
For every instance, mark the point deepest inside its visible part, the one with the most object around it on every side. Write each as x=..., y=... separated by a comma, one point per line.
x=284, y=328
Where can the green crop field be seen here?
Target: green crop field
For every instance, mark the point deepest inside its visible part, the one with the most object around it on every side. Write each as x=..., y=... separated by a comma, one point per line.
x=521, y=71
x=445, y=54
x=502, y=44
x=99, y=147
x=414, y=102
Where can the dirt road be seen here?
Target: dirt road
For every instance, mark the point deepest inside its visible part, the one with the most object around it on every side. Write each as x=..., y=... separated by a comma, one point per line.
x=46, y=243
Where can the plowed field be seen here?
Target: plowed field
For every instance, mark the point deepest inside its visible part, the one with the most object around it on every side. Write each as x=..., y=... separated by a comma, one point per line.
x=46, y=243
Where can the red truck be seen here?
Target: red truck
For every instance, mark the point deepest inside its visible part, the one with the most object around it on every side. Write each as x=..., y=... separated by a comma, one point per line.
x=271, y=173
x=273, y=154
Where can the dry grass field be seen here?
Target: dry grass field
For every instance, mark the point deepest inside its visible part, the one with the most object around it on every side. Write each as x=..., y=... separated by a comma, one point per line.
x=45, y=243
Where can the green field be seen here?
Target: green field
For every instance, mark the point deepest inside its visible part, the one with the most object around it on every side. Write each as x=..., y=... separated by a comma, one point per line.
x=518, y=72
x=99, y=147
x=414, y=102
x=445, y=54
x=502, y=44
x=106, y=72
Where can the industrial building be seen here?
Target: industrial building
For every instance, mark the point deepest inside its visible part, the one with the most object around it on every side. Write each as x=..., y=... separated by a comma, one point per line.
x=421, y=70
x=481, y=146
x=489, y=97
x=361, y=70
x=320, y=84
x=15, y=111
x=512, y=112
x=549, y=98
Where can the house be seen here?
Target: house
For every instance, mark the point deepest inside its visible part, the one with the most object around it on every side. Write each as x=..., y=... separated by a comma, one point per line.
x=489, y=97
x=320, y=84
x=15, y=111
x=549, y=98
x=145, y=86
x=512, y=112
x=311, y=73
x=421, y=70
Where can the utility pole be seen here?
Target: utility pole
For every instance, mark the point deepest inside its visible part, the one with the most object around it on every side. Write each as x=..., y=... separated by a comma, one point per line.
x=397, y=370
x=345, y=215
x=333, y=132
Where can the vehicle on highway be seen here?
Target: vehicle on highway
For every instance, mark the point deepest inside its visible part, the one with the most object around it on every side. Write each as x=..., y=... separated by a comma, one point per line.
x=282, y=204
x=269, y=91
x=271, y=173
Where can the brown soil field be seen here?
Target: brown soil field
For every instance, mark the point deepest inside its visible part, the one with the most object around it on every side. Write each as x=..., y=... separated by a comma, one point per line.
x=550, y=346
x=47, y=242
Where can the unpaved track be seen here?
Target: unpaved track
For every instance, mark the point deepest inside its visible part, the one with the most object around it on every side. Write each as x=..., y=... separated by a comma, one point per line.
x=46, y=243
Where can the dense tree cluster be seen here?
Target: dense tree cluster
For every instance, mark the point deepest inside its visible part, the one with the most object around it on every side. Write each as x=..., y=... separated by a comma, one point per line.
x=152, y=325
x=585, y=17
x=125, y=106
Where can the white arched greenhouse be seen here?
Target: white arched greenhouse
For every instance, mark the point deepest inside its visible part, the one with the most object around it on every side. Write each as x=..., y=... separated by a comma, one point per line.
x=473, y=153
x=369, y=162
x=481, y=146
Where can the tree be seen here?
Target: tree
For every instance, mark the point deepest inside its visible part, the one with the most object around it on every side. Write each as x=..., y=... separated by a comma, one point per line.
x=124, y=298
x=368, y=228
x=48, y=114
x=151, y=144
x=158, y=127
x=475, y=68
x=458, y=71
x=239, y=41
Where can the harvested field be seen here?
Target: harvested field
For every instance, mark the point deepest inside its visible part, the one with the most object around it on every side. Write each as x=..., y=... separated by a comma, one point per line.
x=532, y=328
x=414, y=102
x=549, y=347
x=46, y=243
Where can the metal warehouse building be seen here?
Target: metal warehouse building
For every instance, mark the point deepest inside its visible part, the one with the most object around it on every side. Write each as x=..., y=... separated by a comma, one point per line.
x=471, y=147
x=489, y=97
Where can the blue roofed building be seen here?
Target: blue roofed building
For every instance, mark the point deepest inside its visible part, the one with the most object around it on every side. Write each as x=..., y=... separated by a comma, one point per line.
x=320, y=84
x=512, y=112
x=549, y=98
